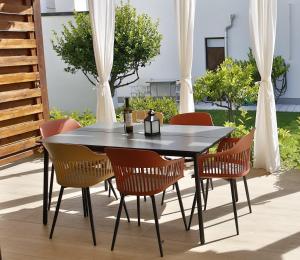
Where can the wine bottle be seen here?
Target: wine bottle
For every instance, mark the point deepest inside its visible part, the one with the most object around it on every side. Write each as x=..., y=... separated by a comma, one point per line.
x=127, y=112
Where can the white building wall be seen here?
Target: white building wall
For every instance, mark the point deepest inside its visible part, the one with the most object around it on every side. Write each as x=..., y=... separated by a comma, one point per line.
x=66, y=91
x=212, y=16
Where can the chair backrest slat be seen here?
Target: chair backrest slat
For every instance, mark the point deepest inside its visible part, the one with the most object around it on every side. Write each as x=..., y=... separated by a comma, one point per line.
x=141, y=172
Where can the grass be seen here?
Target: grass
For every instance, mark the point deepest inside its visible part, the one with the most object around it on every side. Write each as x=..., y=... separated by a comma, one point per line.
x=289, y=134
x=286, y=120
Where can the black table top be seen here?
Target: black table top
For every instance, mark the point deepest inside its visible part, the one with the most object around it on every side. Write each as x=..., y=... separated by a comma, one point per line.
x=174, y=139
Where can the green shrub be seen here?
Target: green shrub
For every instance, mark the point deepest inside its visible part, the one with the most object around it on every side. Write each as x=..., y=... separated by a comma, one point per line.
x=288, y=143
x=85, y=118
x=240, y=127
x=232, y=82
x=165, y=105
x=279, y=73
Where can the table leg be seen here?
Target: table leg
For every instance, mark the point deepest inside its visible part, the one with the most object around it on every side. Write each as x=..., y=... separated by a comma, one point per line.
x=45, y=187
x=199, y=203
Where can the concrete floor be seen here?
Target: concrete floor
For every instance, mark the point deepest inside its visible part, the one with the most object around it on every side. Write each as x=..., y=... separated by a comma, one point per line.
x=271, y=232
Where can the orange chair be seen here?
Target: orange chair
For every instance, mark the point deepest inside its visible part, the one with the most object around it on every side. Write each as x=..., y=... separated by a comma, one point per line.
x=194, y=118
x=144, y=173
x=231, y=161
x=77, y=166
x=54, y=127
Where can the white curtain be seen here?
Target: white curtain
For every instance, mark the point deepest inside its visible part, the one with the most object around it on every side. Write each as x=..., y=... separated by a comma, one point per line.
x=102, y=13
x=185, y=10
x=263, y=18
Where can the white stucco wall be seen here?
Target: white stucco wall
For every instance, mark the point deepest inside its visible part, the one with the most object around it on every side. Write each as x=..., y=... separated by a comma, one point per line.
x=73, y=91
x=66, y=91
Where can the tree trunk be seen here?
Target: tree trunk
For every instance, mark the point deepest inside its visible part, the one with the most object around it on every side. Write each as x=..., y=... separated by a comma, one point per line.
x=112, y=87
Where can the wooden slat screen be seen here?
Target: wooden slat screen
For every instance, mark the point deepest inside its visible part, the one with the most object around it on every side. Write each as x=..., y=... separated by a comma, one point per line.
x=23, y=90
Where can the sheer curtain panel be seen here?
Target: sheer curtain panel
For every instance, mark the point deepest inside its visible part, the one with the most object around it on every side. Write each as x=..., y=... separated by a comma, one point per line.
x=102, y=13
x=263, y=18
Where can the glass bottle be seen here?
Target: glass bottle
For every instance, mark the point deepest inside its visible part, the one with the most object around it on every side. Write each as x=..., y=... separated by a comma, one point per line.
x=127, y=113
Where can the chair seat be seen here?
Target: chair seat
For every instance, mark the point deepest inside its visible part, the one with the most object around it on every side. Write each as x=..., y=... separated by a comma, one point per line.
x=145, y=184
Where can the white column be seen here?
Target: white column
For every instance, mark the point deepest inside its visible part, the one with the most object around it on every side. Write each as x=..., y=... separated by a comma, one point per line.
x=263, y=18
x=102, y=15
x=185, y=10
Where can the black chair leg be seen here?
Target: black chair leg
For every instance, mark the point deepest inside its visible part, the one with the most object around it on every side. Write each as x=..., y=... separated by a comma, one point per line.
x=145, y=199
x=163, y=198
x=192, y=212
x=202, y=188
x=105, y=185
x=234, y=205
x=206, y=194
x=138, y=210
x=236, y=191
x=84, y=203
x=126, y=211
x=211, y=184
x=111, y=188
x=157, y=225
x=56, y=211
x=51, y=186
x=181, y=205
x=88, y=195
x=247, y=193
x=117, y=222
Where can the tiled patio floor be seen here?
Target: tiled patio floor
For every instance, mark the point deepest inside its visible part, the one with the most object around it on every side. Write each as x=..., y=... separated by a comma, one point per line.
x=271, y=232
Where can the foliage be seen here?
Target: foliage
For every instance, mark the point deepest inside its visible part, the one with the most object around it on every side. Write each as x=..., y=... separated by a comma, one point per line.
x=86, y=118
x=137, y=42
x=288, y=143
x=279, y=71
x=165, y=105
x=232, y=82
x=241, y=127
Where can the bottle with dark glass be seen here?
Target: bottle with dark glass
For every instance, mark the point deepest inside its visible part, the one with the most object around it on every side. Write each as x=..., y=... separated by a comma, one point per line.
x=127, y=112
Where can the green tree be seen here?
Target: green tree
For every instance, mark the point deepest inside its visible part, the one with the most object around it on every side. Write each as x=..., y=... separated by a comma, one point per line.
x=137, y=42
x=230, y=86
x=279, y=73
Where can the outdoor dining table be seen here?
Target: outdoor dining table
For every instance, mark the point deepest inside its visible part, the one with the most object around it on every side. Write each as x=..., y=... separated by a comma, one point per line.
x=174, y=140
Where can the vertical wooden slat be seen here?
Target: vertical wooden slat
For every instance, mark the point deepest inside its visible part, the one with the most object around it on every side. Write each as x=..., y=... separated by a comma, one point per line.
x=41, y=58
x=23, y=89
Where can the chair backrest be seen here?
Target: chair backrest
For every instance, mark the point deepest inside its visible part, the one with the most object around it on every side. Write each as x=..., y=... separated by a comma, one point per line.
x=195, y=118
x=140, y=115
x=78, y=166
x=240, y=154
x=231, y=162
x=141, y=172
x=244, y=143
x=54, y=127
